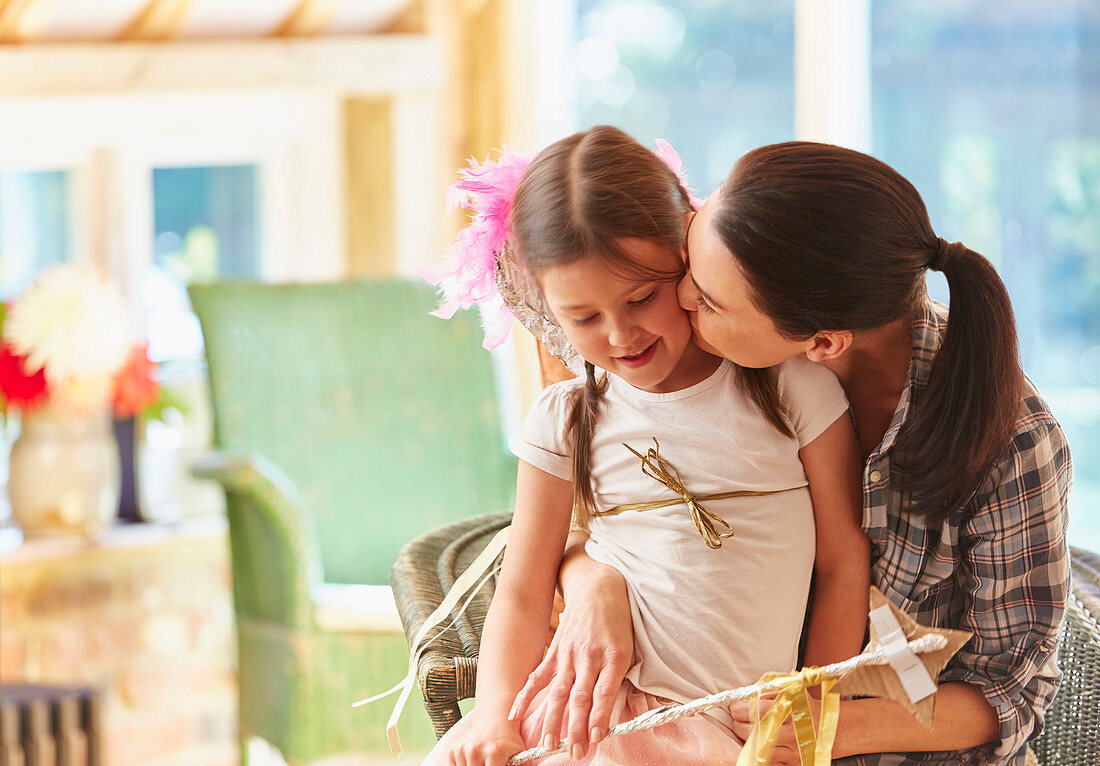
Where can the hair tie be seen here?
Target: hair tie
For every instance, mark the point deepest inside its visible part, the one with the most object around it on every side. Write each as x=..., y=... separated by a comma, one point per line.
x=945, y=252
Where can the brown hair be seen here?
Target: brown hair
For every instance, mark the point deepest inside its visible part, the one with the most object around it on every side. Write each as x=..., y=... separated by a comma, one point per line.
x=833, y=239
x=579, y=198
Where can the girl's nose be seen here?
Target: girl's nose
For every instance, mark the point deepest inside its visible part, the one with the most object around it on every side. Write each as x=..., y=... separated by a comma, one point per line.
x=622, y=334
x=687, y=295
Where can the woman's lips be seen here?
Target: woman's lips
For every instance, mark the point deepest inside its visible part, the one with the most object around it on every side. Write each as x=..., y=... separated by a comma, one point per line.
x=640, y=359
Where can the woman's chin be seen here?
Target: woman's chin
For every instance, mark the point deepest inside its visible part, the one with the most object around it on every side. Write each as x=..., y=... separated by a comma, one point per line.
x=734, y=357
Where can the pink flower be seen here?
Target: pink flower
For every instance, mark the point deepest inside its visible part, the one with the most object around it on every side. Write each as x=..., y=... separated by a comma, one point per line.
x=467, y=276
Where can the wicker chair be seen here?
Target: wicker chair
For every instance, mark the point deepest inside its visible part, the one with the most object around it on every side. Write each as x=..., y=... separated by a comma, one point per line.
x=423, y=572
x=427, y=566
x=1072, y=733
x=348, y=421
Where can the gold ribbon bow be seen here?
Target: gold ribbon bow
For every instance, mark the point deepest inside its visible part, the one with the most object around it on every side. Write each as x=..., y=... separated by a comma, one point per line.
x=656, y=467
x=792, y=700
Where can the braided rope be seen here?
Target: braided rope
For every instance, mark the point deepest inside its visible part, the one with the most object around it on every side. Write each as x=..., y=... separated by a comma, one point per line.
x=662, y=715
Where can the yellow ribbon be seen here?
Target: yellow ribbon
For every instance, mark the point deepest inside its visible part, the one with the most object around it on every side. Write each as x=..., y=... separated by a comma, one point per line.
x=792, y=700
x=656, y=467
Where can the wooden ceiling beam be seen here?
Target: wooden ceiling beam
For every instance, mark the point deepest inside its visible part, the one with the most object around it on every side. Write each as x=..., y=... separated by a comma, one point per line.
x=21, y=20
x=158, y=21
x=308, y=19
x=369, y=65
x=412, y=20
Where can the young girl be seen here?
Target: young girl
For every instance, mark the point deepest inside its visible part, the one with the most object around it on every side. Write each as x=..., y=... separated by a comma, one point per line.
x=708, y=486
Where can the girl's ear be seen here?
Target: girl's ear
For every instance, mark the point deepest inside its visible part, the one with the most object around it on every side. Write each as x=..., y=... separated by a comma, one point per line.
x=827, y=345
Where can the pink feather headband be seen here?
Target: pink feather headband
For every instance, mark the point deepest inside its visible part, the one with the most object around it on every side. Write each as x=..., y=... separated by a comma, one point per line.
x=472, y=268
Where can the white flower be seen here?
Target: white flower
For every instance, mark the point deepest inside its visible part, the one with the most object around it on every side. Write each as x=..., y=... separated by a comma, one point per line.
x=72, y=322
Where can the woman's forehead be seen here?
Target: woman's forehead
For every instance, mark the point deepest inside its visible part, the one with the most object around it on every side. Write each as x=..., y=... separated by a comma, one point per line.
x=714, y=269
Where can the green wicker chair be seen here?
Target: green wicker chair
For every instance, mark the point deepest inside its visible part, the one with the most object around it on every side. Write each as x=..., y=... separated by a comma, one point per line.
x=423, y=572
x=348, y=421
x=427, y=566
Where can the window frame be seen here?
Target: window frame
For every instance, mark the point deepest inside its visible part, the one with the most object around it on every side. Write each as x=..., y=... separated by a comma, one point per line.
x=286, y=135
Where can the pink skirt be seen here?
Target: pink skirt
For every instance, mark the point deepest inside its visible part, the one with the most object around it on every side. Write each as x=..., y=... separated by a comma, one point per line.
x=697, y=739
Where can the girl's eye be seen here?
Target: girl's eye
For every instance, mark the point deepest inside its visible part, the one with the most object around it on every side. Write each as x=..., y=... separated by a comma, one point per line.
x=643, y=301
x=586, y=320
x=703, y=305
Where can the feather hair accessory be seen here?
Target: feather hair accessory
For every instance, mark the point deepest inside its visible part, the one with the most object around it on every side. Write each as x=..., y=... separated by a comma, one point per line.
x=481, y=267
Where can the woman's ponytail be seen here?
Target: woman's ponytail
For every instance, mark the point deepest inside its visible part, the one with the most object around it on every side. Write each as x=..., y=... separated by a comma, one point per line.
x=580, y=427
x=964, y=419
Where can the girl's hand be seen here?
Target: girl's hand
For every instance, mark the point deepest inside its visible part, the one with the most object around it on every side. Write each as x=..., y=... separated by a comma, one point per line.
x=786, y=747
x=488, y=741
x=584, y=667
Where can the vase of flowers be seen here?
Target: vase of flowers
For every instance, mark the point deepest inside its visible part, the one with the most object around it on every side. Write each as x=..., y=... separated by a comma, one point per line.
x=68, y=363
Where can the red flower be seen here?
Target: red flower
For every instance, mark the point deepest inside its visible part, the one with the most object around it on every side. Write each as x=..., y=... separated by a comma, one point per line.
x=19, y=388
x=135, y=385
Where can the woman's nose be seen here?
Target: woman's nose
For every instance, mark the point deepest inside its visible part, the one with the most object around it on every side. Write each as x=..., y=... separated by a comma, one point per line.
x=687, y=295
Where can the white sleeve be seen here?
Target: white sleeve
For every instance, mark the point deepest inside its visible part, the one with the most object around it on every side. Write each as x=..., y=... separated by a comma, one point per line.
x=812, y=396
x=542, y=440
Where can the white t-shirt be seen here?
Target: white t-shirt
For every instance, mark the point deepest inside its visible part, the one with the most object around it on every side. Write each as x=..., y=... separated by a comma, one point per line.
x=705, y=620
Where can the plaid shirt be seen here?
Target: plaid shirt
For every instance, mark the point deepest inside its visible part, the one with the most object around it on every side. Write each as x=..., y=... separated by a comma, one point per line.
x=1000, y=571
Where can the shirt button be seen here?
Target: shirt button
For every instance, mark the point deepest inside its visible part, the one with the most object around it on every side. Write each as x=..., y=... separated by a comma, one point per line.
x=875, y=476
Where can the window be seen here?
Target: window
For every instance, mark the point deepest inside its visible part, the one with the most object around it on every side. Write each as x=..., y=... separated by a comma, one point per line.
x=205, y=226
x=993, y=113
x=715, y=79
x=35, y=224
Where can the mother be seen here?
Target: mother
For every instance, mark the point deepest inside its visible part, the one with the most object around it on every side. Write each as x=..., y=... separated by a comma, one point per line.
x=817, y=250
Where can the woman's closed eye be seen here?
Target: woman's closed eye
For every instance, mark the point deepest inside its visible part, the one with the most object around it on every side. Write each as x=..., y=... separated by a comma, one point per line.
x=702, y=303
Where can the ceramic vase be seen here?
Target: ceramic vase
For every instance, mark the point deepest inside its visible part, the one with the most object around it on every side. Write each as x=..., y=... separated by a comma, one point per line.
x=64, y=474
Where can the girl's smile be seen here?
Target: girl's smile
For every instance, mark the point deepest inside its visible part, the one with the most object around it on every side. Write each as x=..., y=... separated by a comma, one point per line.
x=642, y=358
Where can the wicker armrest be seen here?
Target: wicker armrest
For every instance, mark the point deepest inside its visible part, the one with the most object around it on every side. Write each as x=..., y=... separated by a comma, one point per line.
x=1071, y=735
x=423, y=572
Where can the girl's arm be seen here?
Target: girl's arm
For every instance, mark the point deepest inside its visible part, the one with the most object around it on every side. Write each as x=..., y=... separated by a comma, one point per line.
x=514, y=635
x=592, y=650
x=842, y=565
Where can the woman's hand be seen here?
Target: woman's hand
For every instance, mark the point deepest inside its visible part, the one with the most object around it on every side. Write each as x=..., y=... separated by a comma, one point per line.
x=487, y=741
x=584, y=667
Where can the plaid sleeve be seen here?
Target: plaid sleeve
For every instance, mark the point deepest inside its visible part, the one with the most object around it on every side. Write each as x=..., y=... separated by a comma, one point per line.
x=1015, y=570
